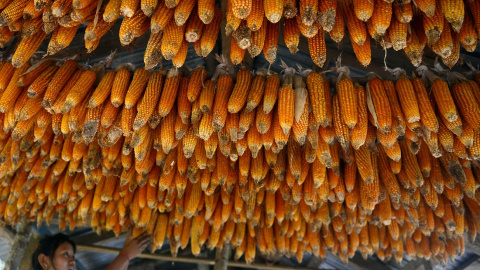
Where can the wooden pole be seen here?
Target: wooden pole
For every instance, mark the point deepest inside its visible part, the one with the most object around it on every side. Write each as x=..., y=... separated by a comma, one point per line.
x=192, y=260
x=26, y=262
x=222, y=256
x=18, y=247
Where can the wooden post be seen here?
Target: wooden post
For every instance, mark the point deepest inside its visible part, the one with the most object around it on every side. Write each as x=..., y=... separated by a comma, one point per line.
x=18, y=247
x=27, y=255
x=221, y=257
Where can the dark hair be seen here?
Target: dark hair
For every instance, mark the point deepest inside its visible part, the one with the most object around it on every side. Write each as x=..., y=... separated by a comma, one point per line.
x=48, y=246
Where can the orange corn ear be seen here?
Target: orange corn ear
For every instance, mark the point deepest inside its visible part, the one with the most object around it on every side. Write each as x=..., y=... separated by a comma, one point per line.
x=397, y=33
x=273, y=10
x=271, y=92
x=359, y=132
x=136, y=87
x=239, y=95
x=172, y=40
x=427, y=113
x=161, y=18
x=40, y=84
x=341, y=130
x=133, y=27
x=444, y=100
x=414, y=48
x=256, y=17
x=308, y=11
x=426, y=6
x=10, y=94
x=454, y=12
x=120, y=87
x=318, y=99
x=232, y=20
x=466, y=103
x=79, y=90
x=12, y=12
x=348, y=102
x=291, y=35
x=5, y=36
x=183, y=11
x=433, y=26
x=286, y=102
x=357, y=28
x=363, y=53
x=195, y=85
x=220, y=110
x=61, y=38
x=236, y=53
x=149, y=100
x=403, y=11
x=194, y=29
x=271, y=42
x=102, y=91
x=169, y=93
x=153, y=53
x=381, y=19
x=6, y=73
x=307, y=31
x=210, y=34
x=27, y=48
x=329, y=17
x=363, y=9
x=317, y=48
x=181, y=55
x=258, y=40
x=407, y=98
x=29, y=77
x=206, y=10
x=381, y=107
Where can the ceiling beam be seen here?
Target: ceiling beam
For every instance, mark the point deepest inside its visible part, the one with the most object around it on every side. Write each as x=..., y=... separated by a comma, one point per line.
x=192, y=260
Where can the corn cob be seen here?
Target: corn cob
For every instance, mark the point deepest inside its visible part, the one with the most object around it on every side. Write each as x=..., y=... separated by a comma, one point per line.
x=236, y=53
x=407, y=99
x=308, y=11
x=239, y=95
x=210, y=33
x=357, y=28
x=363, y=9
x=444, y=100
x=79, y=90
x=149, y=100
x=359, y=132
x=243, y=36
x=161, y=18
x=194, y=29
x=433, y=26
x=232, y=21
x=347, y=101
x=317, y=48
x=466, y=103
x=453, y=10
x=26, y=48
x=133, y=27
x=12, y=12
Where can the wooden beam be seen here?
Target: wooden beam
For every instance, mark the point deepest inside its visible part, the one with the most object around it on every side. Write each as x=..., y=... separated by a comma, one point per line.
x=18, y=247
x=192, y=260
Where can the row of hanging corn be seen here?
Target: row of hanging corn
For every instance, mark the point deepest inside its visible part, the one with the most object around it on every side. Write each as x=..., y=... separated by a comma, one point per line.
x=267, y=161
x=253, y=24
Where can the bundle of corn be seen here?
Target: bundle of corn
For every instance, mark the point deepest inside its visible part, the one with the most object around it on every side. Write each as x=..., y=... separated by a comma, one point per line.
x=210, y=161
x=253, y=24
